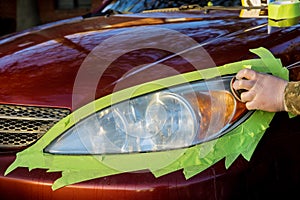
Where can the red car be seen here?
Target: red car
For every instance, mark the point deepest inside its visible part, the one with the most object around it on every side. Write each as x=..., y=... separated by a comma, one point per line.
x=134, y=102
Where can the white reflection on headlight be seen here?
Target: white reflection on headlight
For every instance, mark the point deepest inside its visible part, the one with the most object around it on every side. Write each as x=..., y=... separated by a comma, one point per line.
x=157, y=122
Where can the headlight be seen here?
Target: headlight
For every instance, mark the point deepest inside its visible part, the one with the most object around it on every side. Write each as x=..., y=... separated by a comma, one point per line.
x=172, y=118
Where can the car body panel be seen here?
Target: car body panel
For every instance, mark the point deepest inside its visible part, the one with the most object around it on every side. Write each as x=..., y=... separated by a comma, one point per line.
x=34, y=58
x=124, y=186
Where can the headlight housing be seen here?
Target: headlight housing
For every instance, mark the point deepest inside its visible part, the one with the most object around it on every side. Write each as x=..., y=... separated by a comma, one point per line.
x=172, y=118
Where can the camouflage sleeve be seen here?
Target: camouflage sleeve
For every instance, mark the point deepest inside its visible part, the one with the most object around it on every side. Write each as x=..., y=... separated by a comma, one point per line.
x=292, y=97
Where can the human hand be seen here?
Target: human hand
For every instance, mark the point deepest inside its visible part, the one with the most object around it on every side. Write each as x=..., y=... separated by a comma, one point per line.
x=264, y=91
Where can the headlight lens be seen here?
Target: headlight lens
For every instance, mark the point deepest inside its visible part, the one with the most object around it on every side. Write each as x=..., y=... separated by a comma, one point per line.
x=172, y=118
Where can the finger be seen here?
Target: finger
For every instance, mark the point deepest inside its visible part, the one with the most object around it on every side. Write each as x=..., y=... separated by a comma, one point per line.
x=254, y=105
x=246, y=74
x=251, y=105
x=247, y=96
x=243, y=84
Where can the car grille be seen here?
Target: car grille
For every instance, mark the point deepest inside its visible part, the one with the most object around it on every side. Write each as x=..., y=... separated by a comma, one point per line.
x=21, y=126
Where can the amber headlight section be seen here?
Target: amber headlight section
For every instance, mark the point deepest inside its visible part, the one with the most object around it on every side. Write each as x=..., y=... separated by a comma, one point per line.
x=172, y=118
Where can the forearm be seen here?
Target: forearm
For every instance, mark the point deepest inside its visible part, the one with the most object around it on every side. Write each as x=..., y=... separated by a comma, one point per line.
x=292, y=97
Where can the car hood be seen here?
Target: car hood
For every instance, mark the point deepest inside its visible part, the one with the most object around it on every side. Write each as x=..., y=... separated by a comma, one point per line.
x=41, y=66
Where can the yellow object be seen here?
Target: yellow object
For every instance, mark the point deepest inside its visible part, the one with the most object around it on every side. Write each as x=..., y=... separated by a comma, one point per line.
x=210, y=3
x=284, y=13
x=283, y=10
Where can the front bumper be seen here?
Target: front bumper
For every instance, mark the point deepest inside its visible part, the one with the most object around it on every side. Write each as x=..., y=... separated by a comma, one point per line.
x=213, y=183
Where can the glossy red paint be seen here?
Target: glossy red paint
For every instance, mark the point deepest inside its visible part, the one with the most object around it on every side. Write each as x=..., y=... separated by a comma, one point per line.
x=39, y=67
x=36, y=184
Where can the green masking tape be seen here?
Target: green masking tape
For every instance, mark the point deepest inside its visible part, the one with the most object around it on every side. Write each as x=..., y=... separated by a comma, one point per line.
x=240, y=141
x=283, y=10
x=284, y=22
